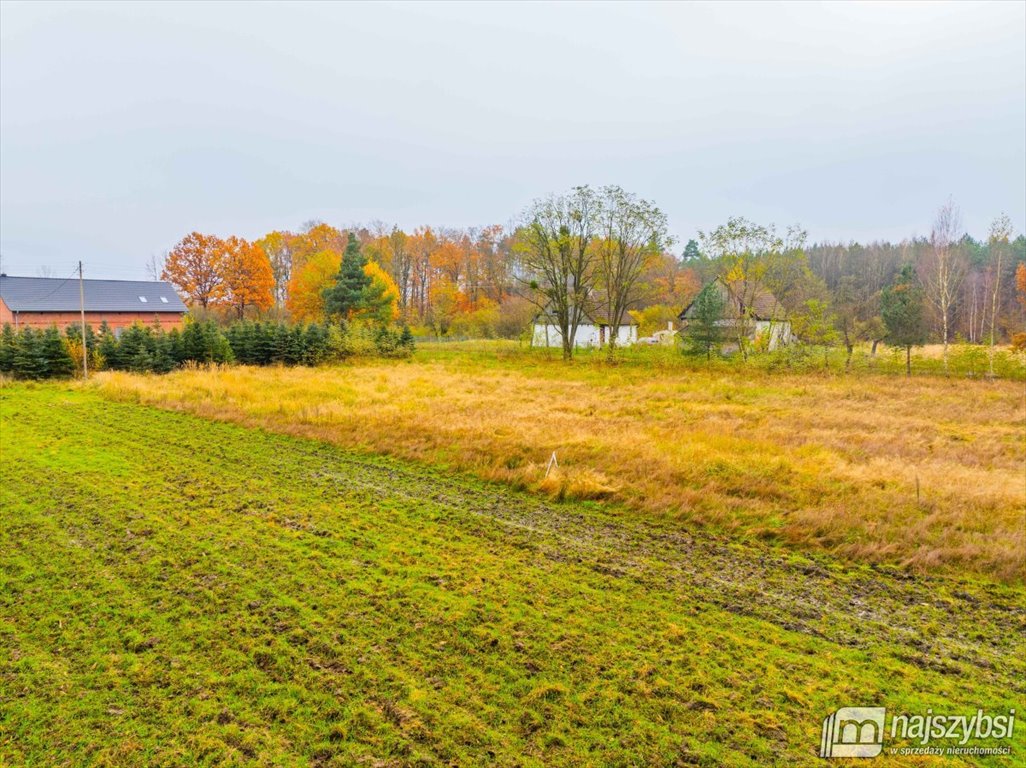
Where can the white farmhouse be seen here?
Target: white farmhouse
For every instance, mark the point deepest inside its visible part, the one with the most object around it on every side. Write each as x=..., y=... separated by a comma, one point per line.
x=593, y=332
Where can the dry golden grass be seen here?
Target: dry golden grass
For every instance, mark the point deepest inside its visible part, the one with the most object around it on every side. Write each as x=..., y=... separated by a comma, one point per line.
x=822, y=462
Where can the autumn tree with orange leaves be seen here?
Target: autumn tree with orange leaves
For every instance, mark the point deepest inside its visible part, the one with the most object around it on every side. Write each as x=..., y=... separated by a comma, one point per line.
x=247, y=276
x=193, y=266
x=317, y=238
x=212, y=273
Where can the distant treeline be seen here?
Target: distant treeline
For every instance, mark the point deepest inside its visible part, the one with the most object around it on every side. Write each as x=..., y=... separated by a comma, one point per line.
x=971, y=290
x=29, y=353
x=490, y=282
x=982, y=279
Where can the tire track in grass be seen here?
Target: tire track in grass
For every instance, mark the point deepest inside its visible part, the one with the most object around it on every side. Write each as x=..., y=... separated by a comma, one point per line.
x=261, y=532
x=854, y=607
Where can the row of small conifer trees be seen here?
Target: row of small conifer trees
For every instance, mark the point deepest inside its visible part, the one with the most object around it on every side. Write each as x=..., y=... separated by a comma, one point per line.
x=28, y=353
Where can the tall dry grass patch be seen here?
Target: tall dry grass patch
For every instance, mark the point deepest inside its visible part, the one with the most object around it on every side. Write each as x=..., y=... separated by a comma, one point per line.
x=823, y=462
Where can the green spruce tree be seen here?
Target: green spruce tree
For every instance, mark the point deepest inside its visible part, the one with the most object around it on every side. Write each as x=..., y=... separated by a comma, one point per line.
x=174, y=340
x=28, y=355
x=406, y=338
x=107, y=346
x=141, y=360
x=134, y=348
x=163, y=357
x=901, y=307
x=704, y=331
x=348, y=295
x=8, y=346
x=315, y=344
x=295, y=345
x=263, y=343
x=57, y=360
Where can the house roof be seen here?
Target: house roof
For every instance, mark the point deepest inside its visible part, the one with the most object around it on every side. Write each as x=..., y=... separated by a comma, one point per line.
x=48, y=294
x=764, y=304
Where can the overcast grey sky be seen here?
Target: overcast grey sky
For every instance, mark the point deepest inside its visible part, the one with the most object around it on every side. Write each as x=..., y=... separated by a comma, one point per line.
x=125, y=126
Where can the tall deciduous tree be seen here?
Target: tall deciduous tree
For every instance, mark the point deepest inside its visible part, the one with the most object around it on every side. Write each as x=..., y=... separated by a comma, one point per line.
x=316, y=237
x=746, y=255
x=815, y=326
x=400, y=263
x=670, y=281
x=193, y=266
x=308, y=285
x=557, y=258
x=998, y=242
x=631, y=232
x=495, y=263
x=856, y=315
x=155, y=266
x=901, y=306
x=247, y=278
x=944, y=268
x=278, y=246
x=380, y=300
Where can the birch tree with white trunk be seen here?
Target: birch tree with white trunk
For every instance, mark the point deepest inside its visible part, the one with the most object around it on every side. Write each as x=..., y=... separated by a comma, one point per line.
x=945, y=268
x=1000, y=237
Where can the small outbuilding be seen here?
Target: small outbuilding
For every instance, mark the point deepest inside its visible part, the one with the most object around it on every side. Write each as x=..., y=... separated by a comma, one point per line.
x=39, y=302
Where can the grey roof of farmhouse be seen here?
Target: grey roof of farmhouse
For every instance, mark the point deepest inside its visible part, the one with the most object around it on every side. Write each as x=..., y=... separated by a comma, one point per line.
x=49, y=294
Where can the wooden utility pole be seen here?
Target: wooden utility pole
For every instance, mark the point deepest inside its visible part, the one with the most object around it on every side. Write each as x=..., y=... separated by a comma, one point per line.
x=81, y=306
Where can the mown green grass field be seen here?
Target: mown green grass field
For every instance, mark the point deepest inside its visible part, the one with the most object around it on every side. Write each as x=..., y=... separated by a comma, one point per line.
x=180, y=591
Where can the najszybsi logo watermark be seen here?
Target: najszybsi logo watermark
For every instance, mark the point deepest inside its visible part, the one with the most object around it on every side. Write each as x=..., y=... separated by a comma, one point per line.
x=861, y=732
x=853, y=732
